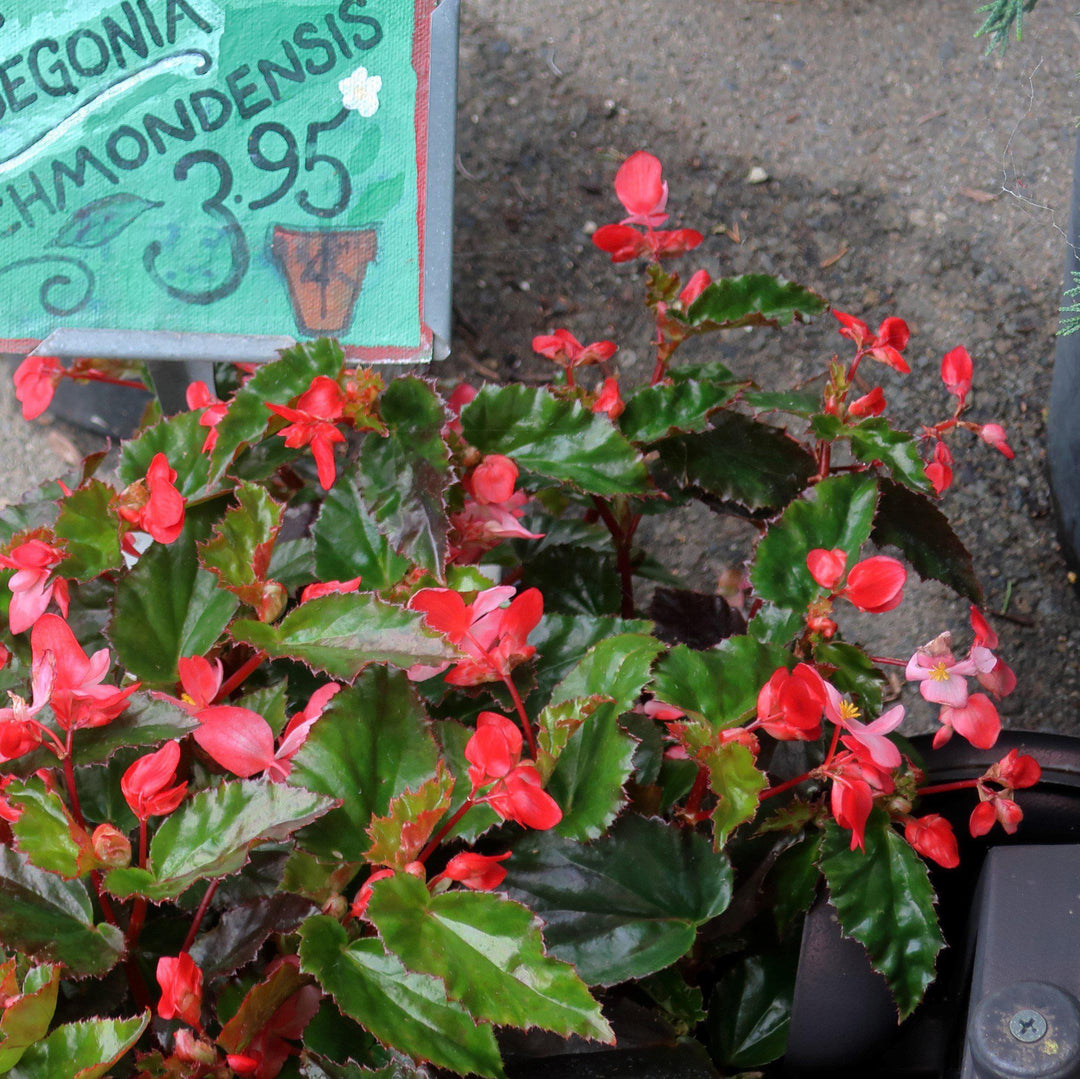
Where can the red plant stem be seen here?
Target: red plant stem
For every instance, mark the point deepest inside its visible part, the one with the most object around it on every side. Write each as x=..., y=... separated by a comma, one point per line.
x=832, y=746
x=444, y=831
x=240, y=676
x=138, y=909
x=786, y=786
x=887, y=661
x=204, y=905
x=95, y=376
x=58, y=747
x=622, y=538
x=697, y=792
x=943, y=788
x=523, y=716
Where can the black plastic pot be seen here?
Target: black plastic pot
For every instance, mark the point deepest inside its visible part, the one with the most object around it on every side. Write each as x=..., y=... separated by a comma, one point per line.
x=843, y=1021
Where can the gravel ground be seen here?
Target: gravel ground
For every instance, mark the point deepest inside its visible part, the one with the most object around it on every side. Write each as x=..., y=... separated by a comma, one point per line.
x=908, y=174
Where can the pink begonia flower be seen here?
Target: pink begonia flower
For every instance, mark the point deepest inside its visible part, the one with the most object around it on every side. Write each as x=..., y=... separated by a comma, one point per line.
x=933, y=837
x=855, y=782
x=827, y=567
x=477, y=527
x=567, y=351
x=876, y=584
x=693, y=288
x=493, y=480
x=78, y=699
x=866, y=740
x=939, y=471
x=199, y=396
x=31, y=589
x=609, y=401
x=36, y=379
x=20, y=732
x=942, y=678
x=977, y=720
x=956, y=371
x=313, y=422
x=870, y=404
x=993, y=434
x=640, y=187
x=885, y=346
x=145, y=784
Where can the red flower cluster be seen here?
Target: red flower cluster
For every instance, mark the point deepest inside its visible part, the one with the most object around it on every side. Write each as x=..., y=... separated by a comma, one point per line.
x=313, y=422
x=154, y=505
x=1013, y=772
x=32, y=587
x=145, y=784
x=492, y=510
x=885, y=346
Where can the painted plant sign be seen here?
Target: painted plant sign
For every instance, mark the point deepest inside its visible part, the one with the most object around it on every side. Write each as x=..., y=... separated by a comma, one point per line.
x=226, y=166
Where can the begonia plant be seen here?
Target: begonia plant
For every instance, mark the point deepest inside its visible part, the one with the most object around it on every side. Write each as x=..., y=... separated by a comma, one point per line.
x=343, y=737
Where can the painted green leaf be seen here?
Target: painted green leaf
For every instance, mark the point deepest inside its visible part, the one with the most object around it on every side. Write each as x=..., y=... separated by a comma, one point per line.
x=854, y=674
x=181, y=439
x=102, y=220
x=406, y=473
x=489, y=954
x=26, y=1018
x=403, y=1009
x=378, y=199
x=168, y=607
x=238, y=553
x=750, y=1010
x=89, y=525
x=370, y=744
x=719, y=686
x=553, y=437
x=837, y=513
x=739, y=460
x=211, y=835
x=398, y=837
x=885, y=901
x=51, y=920
x=348, y=542
x=628, y=904
x=618, y=667
x=753, y=300
x=654, y=412
x=923, y=534
x=874, y=440
x=46, y=832
x=83, y=1050
x=342, y=634
x=275, y=383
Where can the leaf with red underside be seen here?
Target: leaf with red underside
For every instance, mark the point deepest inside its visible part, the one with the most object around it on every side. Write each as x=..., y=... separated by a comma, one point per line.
x=258, y=1007
x=83, y=1050
x=26, y=1017
x=398, y=837
x=239, y=551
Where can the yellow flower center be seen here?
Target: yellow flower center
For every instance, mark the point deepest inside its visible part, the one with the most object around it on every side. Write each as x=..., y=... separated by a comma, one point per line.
x=187, y=698
x=849, y=711
x=939, y=672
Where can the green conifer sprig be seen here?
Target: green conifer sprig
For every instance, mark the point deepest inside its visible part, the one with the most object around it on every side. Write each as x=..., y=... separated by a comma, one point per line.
x=1001, y=15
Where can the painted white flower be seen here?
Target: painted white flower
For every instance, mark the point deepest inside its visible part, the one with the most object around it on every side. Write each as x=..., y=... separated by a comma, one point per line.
x=360, y=92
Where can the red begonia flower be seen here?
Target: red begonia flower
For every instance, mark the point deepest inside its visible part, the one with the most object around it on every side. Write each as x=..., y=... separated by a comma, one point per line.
x=492, y=480
x=480, y=872
x=1015, y=771
x=200, y=680
x=31, y=589
x=181, y=989
x=870, y=404
x=827, y=567
x=956, y=371
x=885, y=346
x=567, y=351
x=609, y=401
x=985, y=635
x=313, y=423
x=939, y=471
x=977, y=720
x=993, y=434
x=625, y=243
x=163, y=516
x=855, y=781
x=640, y=187
x=791, y=703
x=520, y=796
x=36, y=379
x=363, y=896
x=199, y=396
x=875, y=584
x=145, y=784
x=494, y=749
x=238, y=739
x=693, y=288
x=995, y=809
x=932, y=836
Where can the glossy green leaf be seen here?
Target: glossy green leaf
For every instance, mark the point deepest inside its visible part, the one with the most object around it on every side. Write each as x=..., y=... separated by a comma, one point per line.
x=753, y=300
x=654, y=412
x=719, y=686
x=554, y=726
x=238, y=553
x=167, y=607
x=83, y=1050
x=293, y=562
x=348, y=542
x=102, y=220
x=89, y=525
x=912, y=523
x=406, y=473
x=181, y=439
x=885, y=901
x=273, y=383
x=739, y=460
x=750, y=1010
x=874, y=440
x=776, y=625
x=489, y=954
x=682, y=1003
x=51, y=920
x=854, y=674
x=398, y=837
x=403, y=1009
x=618, y=667
x=212, y=833
x=370, y=744
x=554, y=437
x=26, y=1018
x=625, y=906
x=46, y=832
x=837, y=513
x=575, y=580
x=797, y=402
x=340, y=635
x=712, y=371
x=794, y=881
x=737, y=784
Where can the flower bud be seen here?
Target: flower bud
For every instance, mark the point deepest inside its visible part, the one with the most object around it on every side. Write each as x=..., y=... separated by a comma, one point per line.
x=111, y=846
x=416, y=869
x=336, y=906
x=193, y=1050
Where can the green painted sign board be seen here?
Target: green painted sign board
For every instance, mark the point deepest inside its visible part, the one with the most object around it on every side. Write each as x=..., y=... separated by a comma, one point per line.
x=247, y=167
